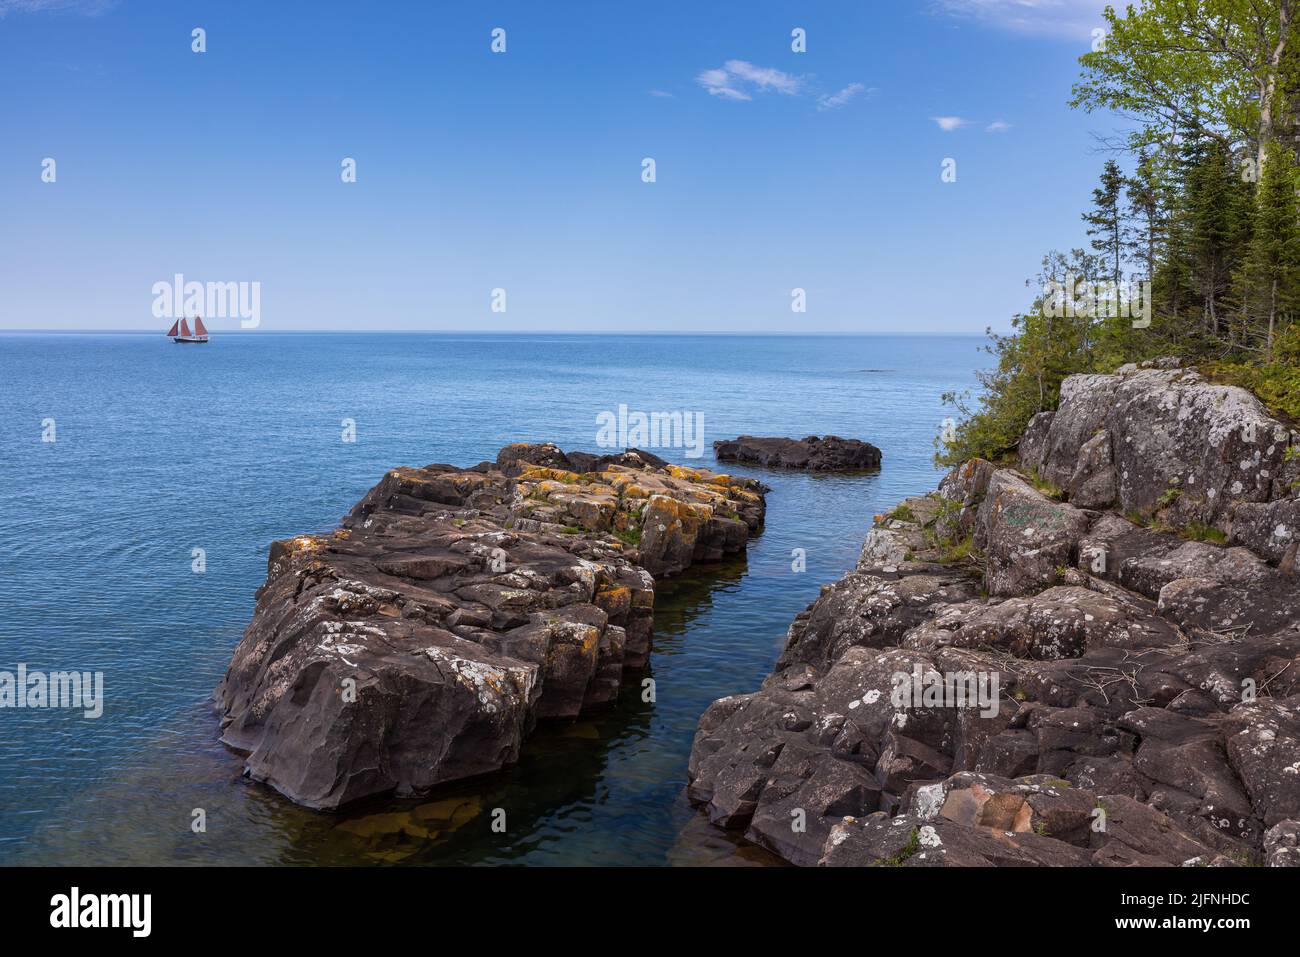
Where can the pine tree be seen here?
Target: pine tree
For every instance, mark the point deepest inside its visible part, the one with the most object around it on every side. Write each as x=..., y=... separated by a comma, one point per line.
x=1217, y=211
x=1211, y=213
x=1175, y=285
x=1106, y=221
x=1271, y=271
x=1147, y=193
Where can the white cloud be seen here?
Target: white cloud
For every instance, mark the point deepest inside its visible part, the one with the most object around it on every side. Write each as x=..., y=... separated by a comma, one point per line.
x=742, y=80
x=739, y=79
x=662, y=94
x=997, y=126
x=718, y=83
x=765, y=77
x=1072, y=18
x=950, y=123
x=835, y=100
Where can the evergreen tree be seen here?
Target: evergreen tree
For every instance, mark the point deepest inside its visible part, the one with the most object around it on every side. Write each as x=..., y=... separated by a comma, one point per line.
x=1147, y=194
x=1217, y=211
x=1210, y=214
x=1106, y=221
x=1270, y=276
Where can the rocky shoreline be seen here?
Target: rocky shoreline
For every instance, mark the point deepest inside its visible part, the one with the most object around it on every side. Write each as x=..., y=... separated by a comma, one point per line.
x=453, y=609
x=1127, y=590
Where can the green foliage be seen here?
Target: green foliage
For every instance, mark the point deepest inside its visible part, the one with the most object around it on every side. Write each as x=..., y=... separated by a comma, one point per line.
x=1212, y=225
x=912, y=846
x=958, y=551
x=902, y=513
x=1147, y=215
x=1269, y=281
x=1040, y=483
x=1208, y=215
x=1106, y=221
x=1277, y=385
x=1275, y=382
x=1058, y=337
x=1201, y=532
x=1193, y=68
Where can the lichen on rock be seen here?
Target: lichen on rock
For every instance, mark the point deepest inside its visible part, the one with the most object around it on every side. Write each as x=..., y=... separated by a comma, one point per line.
x=1129, y=587
x=455, y=608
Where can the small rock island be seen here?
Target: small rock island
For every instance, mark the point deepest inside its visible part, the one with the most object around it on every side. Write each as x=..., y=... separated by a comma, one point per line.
x=453, y=609
x=814, y=454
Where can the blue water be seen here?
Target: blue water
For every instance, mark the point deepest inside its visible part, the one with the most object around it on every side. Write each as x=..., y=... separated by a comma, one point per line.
x=161, y=449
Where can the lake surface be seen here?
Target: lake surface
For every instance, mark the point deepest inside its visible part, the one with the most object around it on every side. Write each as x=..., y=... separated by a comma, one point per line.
x=161, y=449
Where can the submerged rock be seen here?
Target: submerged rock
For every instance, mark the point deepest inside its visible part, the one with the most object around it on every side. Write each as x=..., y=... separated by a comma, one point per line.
x=421, y=641
x=1136, y=675
x=828, y=454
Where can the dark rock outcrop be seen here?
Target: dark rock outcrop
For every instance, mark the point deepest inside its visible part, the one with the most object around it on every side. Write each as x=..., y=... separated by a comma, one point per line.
x=814, y=454
x=1141, y=699
x=453, y=608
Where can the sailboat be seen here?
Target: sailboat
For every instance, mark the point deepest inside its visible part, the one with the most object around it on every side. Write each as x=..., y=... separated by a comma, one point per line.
x=180, y=331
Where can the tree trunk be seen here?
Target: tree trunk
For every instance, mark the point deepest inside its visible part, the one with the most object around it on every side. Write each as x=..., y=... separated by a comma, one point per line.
x=1117, y=276
x=1272, y=315
x=1151, y=244
x=1268, y=87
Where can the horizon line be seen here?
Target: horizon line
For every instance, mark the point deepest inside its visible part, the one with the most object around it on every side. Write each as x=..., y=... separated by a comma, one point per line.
x=500, y=332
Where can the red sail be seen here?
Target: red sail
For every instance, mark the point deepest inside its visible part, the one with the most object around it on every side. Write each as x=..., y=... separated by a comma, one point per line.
x=199, y=330
x=175, y=325
x=185, y=328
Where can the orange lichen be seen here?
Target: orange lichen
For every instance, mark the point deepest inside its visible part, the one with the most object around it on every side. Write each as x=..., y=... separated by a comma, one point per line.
x=303, y=545
x=681, y=472
x=537, y=473
x=614, y=601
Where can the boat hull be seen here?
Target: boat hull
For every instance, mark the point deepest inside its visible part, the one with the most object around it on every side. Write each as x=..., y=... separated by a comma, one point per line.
x=196, y=340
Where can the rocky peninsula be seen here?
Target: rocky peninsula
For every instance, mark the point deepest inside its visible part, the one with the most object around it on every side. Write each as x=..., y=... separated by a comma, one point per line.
x=1127, y=589
x=421, y=641
x=813, y=454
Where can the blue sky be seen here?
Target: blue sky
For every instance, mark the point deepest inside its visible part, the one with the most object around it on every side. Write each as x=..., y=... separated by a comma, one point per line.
x=523, y=170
